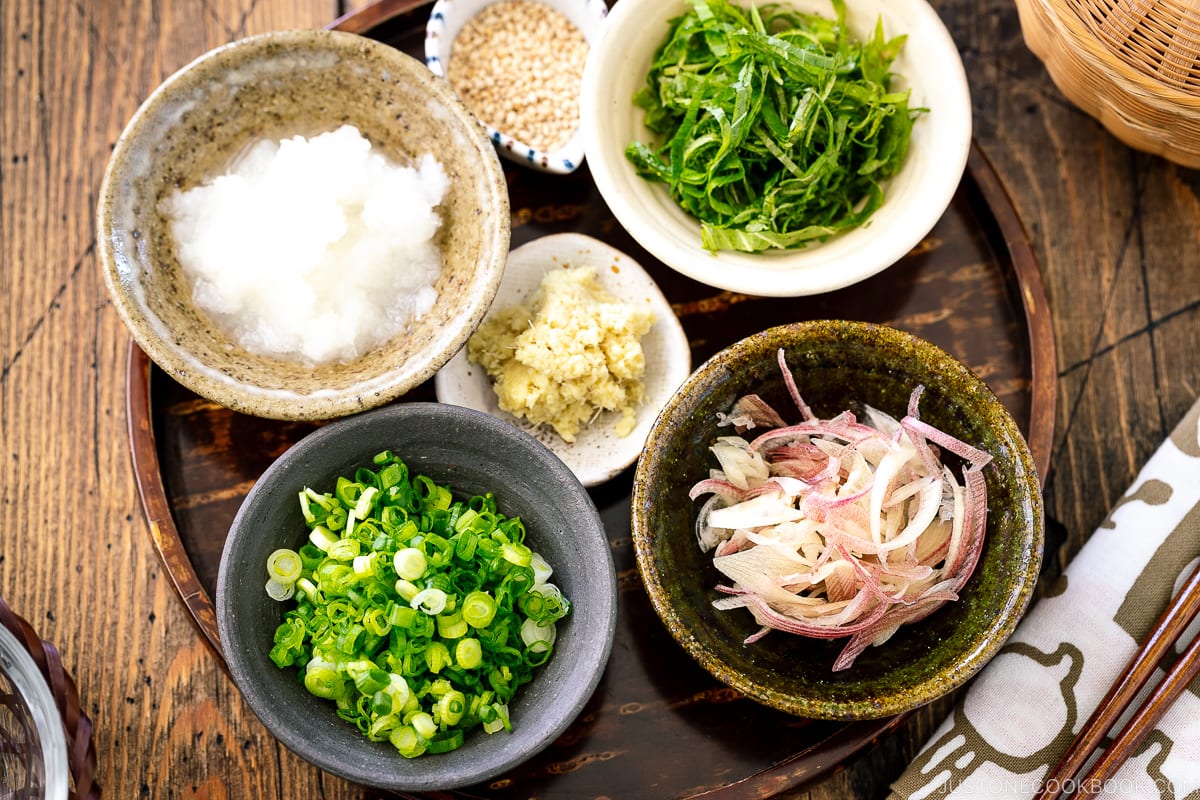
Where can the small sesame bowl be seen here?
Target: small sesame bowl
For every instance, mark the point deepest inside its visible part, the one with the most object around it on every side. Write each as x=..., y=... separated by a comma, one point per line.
x=212, y=114
x=471, y=454
x=838, y=366
x=915, y=197
x=527, y=84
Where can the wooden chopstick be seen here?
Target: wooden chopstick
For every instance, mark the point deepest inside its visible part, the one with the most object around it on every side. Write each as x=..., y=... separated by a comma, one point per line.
x=1181, y=674
x=1178, y=615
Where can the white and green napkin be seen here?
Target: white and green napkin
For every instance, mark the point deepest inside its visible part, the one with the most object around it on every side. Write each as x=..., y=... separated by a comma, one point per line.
x=1021, y=712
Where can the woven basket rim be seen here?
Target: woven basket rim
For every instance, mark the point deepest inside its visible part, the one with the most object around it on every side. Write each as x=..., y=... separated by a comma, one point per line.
x=1071, y=28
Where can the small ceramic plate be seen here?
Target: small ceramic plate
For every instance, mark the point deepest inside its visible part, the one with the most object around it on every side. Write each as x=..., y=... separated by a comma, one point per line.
x=597, y=454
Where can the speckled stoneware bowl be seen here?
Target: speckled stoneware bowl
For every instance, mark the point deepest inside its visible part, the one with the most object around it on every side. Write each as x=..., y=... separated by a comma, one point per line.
x=838, y=365
x=270, y=87
x=473, y=453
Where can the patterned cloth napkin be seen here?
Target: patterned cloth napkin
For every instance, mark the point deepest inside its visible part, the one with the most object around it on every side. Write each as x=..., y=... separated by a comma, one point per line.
x=1018, y=716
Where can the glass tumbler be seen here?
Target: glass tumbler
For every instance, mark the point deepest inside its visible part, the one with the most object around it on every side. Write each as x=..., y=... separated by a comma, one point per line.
x=33, y=746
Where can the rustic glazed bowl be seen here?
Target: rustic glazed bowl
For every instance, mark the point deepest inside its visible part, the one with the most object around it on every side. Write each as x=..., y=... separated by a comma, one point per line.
x=915, y=198
x=473, y=453
x=269, y=87
x=838, y=365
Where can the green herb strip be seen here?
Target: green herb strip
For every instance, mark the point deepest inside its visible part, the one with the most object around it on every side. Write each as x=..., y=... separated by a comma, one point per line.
x=777, y=127
x=419, y=615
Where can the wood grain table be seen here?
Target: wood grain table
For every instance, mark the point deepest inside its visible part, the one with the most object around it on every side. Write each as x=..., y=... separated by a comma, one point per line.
x=1117, y=234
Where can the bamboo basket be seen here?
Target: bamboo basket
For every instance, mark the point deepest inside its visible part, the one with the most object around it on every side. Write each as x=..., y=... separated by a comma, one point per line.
x=1134, y=65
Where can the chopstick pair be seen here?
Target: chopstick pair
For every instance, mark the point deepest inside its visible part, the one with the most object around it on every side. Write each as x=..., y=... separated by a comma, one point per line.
x=1174, y=620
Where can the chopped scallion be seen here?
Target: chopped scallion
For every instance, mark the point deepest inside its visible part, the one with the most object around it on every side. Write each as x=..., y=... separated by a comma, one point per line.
x=420, y=616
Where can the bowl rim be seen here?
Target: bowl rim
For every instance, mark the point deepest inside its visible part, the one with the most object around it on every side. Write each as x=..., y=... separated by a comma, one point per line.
x=209, y=380
x=656, y=222
x=965, y=665
x=596, y=645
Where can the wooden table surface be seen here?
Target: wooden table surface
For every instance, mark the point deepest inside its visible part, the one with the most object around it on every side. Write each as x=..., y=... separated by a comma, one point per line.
x=1117, y=233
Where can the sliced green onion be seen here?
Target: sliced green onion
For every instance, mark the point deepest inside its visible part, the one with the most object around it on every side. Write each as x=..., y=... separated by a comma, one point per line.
x=424, y=725
x=409, y=563
x=517, y=554
x=336, y=520
x=382, y=726
x=451, y=626
x=451, y=707
x=308, y=587
x=437, y=657
x=406, y=590
x=478, y=609
x=401, y=616
x=365, y=566
x=468, y=654
x=445, y=742
x=541, y=570
x=398, y=690
x=284, y=566
x=280, y=591
x=371, y=681
x=311, y=556
x=538, y=637
x=363, y=507
x=418, y=615
x=431, y=601
x=322, y=537
x=500, y=722
x=323, y=681
x=375, y=621
x=407, y=742
x=344, y=549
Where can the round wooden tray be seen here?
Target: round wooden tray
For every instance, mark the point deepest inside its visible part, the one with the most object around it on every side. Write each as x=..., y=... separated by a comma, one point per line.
x=658, y=725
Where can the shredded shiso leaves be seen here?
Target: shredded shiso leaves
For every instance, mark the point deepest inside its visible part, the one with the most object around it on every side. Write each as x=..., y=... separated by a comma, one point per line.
x=840, y=528
x=777, y=128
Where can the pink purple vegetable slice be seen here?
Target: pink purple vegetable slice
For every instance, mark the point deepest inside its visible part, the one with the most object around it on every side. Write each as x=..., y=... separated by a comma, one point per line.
x=833, y=528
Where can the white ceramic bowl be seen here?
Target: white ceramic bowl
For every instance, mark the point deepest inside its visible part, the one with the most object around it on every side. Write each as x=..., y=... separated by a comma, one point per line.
x=597, y=454
x=916, y=197
x=447, y=18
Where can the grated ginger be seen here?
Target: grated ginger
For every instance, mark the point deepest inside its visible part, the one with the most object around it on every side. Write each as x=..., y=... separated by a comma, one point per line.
x=573, y=352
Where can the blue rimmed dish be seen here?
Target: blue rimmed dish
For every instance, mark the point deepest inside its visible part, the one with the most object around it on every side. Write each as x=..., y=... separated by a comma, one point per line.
x=447, y=19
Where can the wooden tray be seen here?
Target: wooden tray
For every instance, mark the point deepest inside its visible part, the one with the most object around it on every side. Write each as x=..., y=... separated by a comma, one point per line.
x=658, y=725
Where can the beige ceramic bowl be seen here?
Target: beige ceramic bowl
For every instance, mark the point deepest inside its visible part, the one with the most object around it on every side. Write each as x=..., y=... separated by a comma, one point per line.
x=270, y=87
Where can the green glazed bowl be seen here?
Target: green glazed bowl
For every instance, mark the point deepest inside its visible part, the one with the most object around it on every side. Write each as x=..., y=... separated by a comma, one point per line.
x=838, y=365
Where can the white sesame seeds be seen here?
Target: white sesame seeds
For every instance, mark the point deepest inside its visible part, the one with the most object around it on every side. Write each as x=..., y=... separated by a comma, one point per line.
x=518, y=65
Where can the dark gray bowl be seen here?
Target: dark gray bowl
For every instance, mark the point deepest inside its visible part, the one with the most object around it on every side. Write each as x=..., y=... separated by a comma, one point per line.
x=473, y=452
